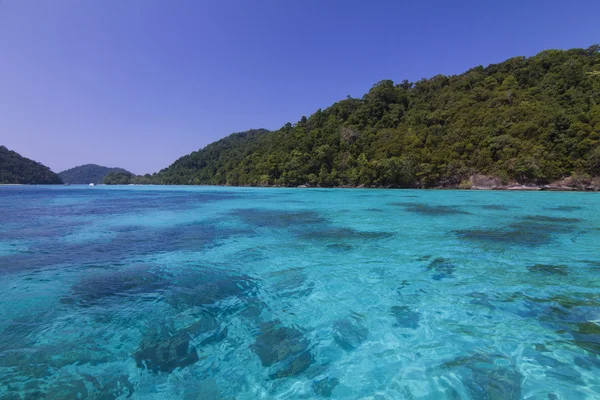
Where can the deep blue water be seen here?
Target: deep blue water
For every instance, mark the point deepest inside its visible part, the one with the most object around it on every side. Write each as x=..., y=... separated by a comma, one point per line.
x=221, y=293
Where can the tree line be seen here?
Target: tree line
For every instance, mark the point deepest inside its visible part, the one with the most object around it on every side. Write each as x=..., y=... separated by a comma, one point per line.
x=526, y=120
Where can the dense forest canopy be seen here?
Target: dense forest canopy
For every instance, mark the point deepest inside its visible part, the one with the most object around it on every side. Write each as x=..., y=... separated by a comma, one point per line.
x=125, y=178
x=15, y=168
x=89, y=173
x=526, y=120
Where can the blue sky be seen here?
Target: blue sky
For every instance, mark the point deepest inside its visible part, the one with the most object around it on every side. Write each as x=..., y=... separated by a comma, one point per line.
x=139, y=83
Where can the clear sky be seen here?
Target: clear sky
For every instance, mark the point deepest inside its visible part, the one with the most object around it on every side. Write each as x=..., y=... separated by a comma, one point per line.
x=138, y=83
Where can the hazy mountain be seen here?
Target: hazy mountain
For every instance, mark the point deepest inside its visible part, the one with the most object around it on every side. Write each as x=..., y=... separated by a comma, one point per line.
x=89, y=173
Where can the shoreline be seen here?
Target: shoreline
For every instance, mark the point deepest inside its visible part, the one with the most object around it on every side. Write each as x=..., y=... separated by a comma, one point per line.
x=507, y=188
x=552, y=187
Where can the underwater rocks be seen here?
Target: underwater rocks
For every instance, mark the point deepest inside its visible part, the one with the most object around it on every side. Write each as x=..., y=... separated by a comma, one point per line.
x=339, y=247
x=565, y=208
x=325, y=386
x=166, y=354
x=283, y=349
x=552, y=367
x=545, y=219
x=484, y=379
x=293, y=366
x=573, y=316
x=127, y=281
x=291, y=282
x=82, y=386
x=496, y=207
x=405, y=317
x=425, y=209
x=530, y=231
x=482, y=299
x=498, y=383
x=544, y=269
x=442, y=267
x=345, y=234
x=111, y=387
x=205, y=287
x=194, y=236
x=586, y=335
x=120, y=243
x=205, y=323
x=505, y=236
x=265, y=218
x=215, y=338
x=349, y=333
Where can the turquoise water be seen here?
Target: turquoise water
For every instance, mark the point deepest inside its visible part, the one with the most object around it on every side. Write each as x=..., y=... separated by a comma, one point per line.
x=221, y=293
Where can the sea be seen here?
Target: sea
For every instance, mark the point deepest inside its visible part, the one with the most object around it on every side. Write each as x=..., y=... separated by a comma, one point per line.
x=173, y=292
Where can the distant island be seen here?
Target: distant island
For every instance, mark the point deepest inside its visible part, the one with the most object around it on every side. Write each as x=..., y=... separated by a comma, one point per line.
x=526, y=121
x=89, y=173
x=16, y=169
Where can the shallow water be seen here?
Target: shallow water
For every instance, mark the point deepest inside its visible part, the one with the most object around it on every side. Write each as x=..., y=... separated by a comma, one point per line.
x=201, y=292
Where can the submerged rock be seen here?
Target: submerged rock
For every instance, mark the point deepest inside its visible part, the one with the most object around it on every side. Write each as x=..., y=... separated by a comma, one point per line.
x=485, y=380
x=111, y=386
x=66, y=389
x=283, y=348
x=291, y=282
x=587, y=336
x=166, y=354
x=530, y=231
x=565, y=208
x=339, y=247
x=442, y=267
x=265, y=218
x=215, y=337
x=553, y=367
x=544, y=269
x=345, y=234
x=207, y=287
x=481, y=299
x=546, y=219
x=205, y=323
x=425, y=209
x=127, y=281
x=588, y=362
x=82, y=386
x=498, y=383
x=293, y=366
x=506, y=236
x=325, y=386
x=574, y=316
x=496, y=207
x=405, y=317
x=349, y=333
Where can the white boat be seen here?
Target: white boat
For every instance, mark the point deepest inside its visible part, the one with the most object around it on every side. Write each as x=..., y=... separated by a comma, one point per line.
x=91, y=184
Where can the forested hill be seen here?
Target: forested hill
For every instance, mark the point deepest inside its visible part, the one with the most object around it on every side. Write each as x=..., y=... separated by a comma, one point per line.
x=526, y=120
x=211, y=164
x=89, y=173
x=15, y=168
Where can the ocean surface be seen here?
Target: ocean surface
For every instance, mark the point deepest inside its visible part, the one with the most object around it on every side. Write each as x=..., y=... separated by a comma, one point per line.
x=241, y=293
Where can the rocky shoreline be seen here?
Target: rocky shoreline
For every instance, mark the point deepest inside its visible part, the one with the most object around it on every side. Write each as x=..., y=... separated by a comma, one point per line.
x=570, y=184
x=482, y=182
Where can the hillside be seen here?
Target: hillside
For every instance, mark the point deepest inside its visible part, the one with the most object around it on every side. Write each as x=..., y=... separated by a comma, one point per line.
x=89, y=173
x=212, y=162
x=526, y=120
x=14, y=168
